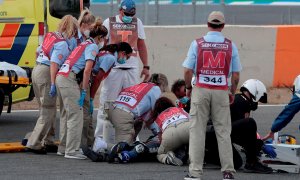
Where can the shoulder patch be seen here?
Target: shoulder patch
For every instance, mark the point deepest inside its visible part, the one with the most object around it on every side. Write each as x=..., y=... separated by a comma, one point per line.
x=60, y=56
x=94, y=53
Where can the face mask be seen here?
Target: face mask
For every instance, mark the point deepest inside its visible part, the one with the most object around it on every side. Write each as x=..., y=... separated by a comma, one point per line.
x=86, y=33
x=127, y=19
x=100, y=45
x=121, y=60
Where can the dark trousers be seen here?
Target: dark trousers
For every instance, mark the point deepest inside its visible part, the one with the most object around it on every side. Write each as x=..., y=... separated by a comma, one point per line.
x=244, y=134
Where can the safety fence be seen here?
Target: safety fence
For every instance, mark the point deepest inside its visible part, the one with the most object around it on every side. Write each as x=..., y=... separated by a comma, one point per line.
x=192, y=14
x=226, y=2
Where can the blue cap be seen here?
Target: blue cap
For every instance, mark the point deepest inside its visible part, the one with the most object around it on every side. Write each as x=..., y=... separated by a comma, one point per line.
x=128, y=6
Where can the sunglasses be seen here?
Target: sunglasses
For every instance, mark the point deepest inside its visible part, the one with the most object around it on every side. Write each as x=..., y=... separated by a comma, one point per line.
x=128, y=14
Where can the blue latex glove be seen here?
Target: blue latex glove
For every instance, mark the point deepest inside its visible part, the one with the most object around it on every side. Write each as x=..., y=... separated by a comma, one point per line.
x=184, y=100
x=91, y=105
x=52, y=91
x=269, y=150
x=81, y=99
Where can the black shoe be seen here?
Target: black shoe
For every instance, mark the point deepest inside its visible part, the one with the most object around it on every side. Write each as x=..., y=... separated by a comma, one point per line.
x=51, y=148
x=257, y=168
x=24, y=142
x=36, y=151
x=227, y=175
x=115, y=150
x=95, y=157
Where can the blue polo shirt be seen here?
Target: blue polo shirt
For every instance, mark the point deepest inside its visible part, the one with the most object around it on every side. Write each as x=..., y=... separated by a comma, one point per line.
x=146, y=104
x=105, y=62
x=89, y=53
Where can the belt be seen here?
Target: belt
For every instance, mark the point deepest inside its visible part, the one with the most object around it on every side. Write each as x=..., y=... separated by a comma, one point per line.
x=39, y=63
x=175, y=124
x=73, y=72
x=123, y=109
x=124, y=68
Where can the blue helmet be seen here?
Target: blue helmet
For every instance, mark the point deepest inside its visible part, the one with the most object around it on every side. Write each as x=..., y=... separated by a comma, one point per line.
x=128, y=6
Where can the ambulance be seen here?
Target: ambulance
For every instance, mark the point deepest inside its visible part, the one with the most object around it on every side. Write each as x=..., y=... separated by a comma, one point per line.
x=23, y=24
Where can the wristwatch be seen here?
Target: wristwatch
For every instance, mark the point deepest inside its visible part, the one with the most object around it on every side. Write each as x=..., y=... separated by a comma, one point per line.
x=147, y=67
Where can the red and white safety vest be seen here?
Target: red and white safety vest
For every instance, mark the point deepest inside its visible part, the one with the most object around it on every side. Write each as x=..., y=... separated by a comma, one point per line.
x=170, y=116
x=124, y=32
x=73, y=58
x=49, y=41
x=131, y=96
x=213, y=64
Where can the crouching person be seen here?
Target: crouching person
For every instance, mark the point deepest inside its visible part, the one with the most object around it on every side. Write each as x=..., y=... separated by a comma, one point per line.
x=174, y=130
x=244, y=130
x=105, y=61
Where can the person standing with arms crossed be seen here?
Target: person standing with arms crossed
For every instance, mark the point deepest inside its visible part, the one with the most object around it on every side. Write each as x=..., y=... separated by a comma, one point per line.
x=213, y=59
x=127, y=28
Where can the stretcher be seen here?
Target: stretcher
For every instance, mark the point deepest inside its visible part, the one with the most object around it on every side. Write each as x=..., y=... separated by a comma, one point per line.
x=14, y=147
x=13, y=74
x=12, y=77
x=287, y=160
x=11, y=147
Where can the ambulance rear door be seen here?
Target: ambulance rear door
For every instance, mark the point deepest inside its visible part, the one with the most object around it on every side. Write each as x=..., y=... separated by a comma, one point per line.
x=21, y=23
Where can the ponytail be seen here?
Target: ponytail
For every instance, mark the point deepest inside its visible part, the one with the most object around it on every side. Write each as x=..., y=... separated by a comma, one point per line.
x=68, y=25
x=98, y=29
x=86, y=17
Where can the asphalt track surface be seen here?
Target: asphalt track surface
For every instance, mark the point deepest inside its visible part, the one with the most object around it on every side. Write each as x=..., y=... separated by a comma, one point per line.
x=29, y=166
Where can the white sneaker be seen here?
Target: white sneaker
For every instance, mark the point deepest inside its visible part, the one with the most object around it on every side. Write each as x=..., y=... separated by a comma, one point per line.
x=60, y=153
x=75, y=156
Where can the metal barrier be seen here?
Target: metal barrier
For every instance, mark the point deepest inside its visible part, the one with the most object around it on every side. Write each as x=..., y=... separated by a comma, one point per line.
x=195, y=14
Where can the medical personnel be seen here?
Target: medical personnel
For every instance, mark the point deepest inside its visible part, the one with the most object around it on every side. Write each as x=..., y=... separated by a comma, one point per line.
x=178, y=88
x=72, y=83
x=86, y=21
x=106, y=59
x=55, y=48
x=213, y=59
x=288, y=113
x=174, y=130
x=123, y=27
x=163, y=83
x=133, y=106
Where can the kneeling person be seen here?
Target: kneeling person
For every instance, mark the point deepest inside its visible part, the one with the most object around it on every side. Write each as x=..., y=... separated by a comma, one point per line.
x=133, y=106
x=174, y=130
